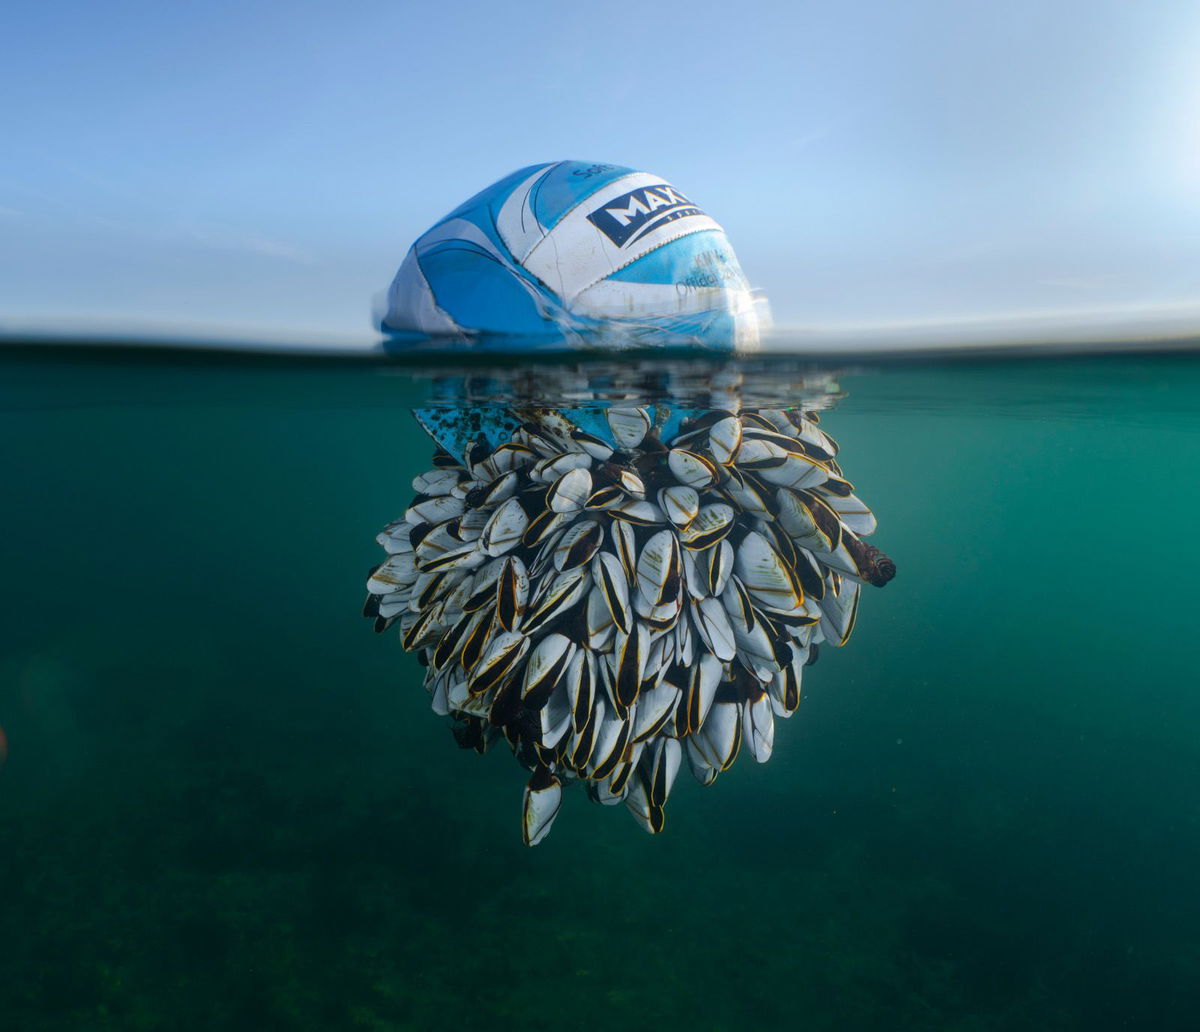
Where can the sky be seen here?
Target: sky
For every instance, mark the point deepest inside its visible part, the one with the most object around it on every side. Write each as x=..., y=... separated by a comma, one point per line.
x=261, y=168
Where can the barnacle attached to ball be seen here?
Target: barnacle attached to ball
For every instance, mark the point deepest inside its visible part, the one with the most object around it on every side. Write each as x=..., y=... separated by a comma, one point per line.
x=610, y=604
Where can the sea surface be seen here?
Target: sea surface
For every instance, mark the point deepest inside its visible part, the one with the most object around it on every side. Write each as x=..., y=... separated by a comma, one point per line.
x=226, y=803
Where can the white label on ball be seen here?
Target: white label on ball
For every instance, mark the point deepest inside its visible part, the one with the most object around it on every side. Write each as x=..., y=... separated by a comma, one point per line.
x=610, y=229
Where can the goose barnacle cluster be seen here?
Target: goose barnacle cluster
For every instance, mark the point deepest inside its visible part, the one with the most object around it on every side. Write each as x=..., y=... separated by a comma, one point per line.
x=613, y=604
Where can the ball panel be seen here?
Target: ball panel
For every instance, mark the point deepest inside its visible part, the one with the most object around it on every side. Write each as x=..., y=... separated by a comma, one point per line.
x=480, y=292
x=410, y=302
x=611, y=300
x=702, y=259
x=516, y=222
x=617, y=225
x=568, y=183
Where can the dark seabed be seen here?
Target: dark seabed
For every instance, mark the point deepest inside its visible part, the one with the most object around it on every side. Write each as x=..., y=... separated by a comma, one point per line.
x=226, y=803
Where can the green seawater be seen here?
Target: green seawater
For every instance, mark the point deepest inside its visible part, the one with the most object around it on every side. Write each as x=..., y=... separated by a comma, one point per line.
x=227, y=805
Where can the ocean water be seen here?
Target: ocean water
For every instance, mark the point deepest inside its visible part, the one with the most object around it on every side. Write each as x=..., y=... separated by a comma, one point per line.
x=226, y=803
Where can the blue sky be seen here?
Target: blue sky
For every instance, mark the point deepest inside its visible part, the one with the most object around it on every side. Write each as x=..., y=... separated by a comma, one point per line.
x=262, y=167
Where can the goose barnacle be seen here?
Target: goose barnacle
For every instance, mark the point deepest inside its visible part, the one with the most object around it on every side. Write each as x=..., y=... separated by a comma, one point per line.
x=692, y=469
x=578, y=544
x=629, y=426
x=608, y=598
x=504, y=529
x=680, y=503
x=724, y=440
x=592, y=445
x=512, y=593
x=710, y=525
x=570, y=491
x=543, y=797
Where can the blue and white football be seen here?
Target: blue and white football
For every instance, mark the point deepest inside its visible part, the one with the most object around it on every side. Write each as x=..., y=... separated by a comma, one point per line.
x=575, y=247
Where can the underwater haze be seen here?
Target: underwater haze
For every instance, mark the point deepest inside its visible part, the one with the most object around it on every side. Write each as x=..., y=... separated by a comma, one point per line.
x=225, y=802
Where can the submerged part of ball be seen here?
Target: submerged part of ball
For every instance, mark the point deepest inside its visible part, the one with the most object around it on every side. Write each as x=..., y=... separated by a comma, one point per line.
x=573, y=247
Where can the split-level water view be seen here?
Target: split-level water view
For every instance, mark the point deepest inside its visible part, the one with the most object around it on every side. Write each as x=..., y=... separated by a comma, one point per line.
x=851, y=695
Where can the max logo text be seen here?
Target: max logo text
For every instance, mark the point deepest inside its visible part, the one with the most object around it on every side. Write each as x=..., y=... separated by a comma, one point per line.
x=632, y=215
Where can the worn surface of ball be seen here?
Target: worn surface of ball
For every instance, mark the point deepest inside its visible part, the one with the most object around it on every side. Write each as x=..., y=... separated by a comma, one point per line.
x=574, y=246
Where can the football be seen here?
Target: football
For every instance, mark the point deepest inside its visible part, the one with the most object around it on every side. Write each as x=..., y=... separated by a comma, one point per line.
x=571, y=247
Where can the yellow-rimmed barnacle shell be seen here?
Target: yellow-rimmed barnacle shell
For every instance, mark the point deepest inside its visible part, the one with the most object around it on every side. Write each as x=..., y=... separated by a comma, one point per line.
x=611, y=606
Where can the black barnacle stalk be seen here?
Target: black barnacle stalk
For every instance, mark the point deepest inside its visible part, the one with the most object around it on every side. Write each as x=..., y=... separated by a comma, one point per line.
x=610, y=604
